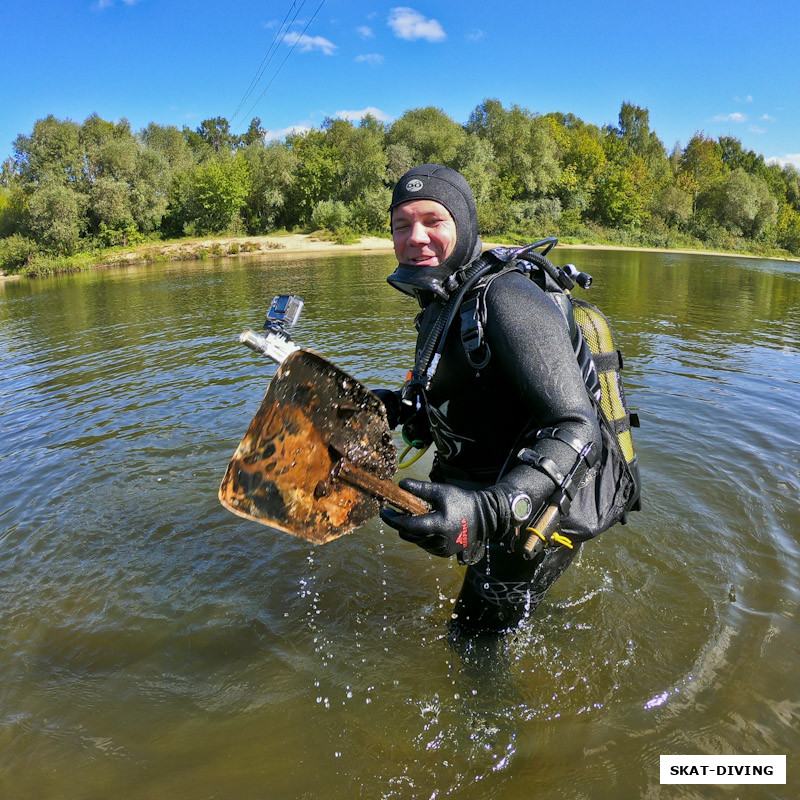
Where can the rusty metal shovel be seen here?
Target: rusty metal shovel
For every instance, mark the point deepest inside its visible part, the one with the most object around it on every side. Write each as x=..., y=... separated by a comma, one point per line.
x=318, y=457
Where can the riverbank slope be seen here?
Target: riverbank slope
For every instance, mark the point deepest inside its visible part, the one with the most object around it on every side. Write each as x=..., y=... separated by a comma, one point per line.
x=312, y=244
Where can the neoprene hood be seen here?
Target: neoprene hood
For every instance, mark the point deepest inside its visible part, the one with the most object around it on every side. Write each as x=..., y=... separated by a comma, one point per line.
x=448, y=187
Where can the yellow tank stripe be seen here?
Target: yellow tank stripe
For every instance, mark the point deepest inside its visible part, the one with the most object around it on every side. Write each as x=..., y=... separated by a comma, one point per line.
x=597, y=333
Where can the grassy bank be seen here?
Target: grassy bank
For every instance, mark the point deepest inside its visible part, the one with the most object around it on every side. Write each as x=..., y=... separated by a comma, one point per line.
x=147, y=253
x=188, y=249
x=667, y=241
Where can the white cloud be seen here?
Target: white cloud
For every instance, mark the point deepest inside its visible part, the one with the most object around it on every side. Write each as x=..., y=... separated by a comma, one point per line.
x=103, y=4
x=309, y=43
x=792, y=159
x=283, y=132
x=354, y=116
x=410, y=24
x=756, y=129
x=747, y=99
x=767, y=118
x=373, y=59
x=735, y=117
x=476, y=35
x=364, y=31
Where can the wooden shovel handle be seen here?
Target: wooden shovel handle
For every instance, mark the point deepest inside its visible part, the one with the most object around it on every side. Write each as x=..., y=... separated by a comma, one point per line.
x=542, y=529
x=381, y=489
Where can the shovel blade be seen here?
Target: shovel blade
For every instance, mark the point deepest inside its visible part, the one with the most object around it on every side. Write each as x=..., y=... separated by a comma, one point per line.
x=284, y=472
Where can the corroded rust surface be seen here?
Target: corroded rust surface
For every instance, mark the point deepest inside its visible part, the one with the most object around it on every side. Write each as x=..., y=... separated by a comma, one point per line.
x=283, y=473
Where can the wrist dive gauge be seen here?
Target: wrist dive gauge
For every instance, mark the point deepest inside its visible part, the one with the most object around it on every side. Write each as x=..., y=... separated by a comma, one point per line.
x=521, y=507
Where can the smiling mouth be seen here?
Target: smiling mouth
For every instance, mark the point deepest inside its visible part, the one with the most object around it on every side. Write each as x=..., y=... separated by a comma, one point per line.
x=423, y=260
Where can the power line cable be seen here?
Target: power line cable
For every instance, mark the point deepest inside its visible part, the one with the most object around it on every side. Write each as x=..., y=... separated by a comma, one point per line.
x=275, y=74
x=280, y=35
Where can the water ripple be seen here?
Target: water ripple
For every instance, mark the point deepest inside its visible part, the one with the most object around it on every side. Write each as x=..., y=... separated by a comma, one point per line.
x=154, y=644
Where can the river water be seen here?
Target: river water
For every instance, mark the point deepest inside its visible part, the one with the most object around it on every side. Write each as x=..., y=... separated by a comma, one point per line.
x=153, y=645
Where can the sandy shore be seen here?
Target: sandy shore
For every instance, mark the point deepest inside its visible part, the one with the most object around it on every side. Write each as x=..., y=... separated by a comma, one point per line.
x=250, y=245
x=310, y=244
x=679, y=251
x=238, y=246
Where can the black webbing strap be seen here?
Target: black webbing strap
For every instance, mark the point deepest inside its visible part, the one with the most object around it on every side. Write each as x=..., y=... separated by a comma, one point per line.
x=473, y=317
x=608, y=362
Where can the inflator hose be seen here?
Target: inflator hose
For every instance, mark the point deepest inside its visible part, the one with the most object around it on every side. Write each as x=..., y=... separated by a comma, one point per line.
x=445, y=318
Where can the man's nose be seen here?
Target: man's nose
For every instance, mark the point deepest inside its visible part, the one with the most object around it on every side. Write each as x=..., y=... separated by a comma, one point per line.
x=419, y=233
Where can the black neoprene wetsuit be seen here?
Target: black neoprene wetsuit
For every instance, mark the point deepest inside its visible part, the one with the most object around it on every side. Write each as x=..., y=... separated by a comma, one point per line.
x=480, y=419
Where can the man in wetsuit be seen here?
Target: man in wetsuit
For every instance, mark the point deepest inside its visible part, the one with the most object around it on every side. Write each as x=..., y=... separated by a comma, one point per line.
x=507, y=433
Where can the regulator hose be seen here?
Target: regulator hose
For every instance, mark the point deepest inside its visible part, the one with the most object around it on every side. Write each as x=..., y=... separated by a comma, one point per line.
x=426, y=355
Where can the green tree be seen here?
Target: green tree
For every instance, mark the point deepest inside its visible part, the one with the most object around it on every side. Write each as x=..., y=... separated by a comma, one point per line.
x=317, y=176
x=125, y=182
x=638, y=140
x=791, y=177
x=399, y=159
x=109, y=204
x=641, y=164
x=616, y=201
x=216, y=194
x=51, y=153
x=582, y=158
x=524, y=149
x=673, y=205
x=700, y=166
x=430, y=136
x=332, y=215
x=15, y=252
x=171, y=144
x=8, y=173
x=272, y=171
x=149, y=190
x=95, y=132
x=477, y=166
x=787, y=229
x=358, y=155
x=216, y=132
x=368, y=213
x=13, y=208
x=254, y=134
x=198, y=145
x=109, y=149
x=744, y=204
x=734, y=156
x=55, y=217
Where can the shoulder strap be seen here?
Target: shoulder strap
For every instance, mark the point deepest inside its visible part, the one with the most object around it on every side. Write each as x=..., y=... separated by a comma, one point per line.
x=473, y=307
x=429, y=353
x=473, y=317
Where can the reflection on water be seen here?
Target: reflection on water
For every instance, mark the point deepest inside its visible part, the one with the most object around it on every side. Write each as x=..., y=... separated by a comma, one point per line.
x=152, y=644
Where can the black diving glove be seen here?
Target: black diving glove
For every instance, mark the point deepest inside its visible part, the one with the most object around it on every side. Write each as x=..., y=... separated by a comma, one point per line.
x=460, y=523
x=391, y=401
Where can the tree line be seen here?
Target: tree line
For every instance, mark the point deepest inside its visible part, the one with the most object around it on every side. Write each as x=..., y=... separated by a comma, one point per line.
x=73, y=187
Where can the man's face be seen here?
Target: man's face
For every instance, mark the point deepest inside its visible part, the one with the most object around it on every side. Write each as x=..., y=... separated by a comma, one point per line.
x=423, y=232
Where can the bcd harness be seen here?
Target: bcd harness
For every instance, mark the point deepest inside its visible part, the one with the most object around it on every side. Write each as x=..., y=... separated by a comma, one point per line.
x=593, y=343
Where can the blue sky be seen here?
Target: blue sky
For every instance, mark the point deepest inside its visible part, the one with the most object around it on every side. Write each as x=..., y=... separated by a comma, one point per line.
x=727, y=68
